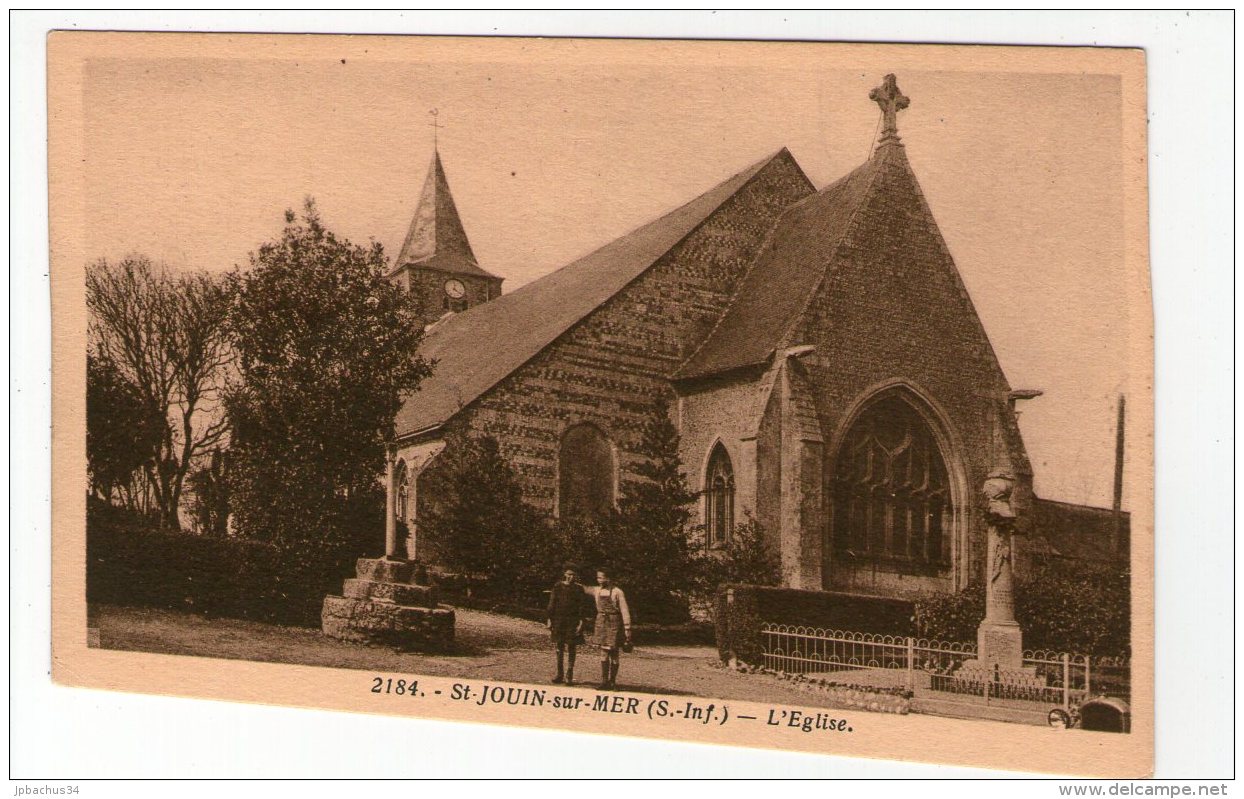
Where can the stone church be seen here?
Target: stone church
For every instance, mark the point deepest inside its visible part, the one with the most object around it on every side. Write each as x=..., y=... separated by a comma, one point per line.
x=816, y=348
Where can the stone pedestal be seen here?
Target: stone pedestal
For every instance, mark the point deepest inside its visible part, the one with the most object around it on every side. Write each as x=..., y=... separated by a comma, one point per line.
x=999, y=639
x=382, y=606
x=1000, y=653
x=1001, y=644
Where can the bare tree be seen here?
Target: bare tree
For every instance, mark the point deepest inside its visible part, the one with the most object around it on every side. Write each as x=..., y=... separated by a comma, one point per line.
x=165, y=335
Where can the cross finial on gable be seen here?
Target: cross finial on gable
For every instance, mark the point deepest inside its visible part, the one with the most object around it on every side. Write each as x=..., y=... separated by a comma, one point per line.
x=891, y=100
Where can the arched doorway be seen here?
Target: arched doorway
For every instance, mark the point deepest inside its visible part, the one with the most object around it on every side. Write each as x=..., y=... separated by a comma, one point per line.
x=891, y=491
x=586, y=481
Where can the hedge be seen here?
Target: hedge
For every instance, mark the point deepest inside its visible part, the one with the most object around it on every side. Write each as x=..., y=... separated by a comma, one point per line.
x=739, y=610
x=132, y=563
x=1064, y=606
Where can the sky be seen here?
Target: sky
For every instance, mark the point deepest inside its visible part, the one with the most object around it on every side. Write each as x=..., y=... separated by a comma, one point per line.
x=192, y=161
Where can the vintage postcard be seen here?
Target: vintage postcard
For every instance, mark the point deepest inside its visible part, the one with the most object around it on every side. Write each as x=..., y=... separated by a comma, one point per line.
x=785, y=395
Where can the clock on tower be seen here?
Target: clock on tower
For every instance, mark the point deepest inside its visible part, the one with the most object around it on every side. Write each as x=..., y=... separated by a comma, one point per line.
x=436, y=262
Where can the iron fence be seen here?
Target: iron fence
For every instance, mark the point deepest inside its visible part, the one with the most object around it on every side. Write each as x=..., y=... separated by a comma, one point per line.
x=921, y=664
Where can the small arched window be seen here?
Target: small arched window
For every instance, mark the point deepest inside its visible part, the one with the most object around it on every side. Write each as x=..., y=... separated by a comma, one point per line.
x=585, y=472
x=401, y=483
x=719, y=498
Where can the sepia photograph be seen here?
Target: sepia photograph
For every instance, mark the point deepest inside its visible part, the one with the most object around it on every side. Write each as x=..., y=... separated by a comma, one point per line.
x=774, y=394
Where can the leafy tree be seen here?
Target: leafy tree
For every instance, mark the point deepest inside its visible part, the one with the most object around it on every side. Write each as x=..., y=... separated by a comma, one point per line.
x=475, y=519
x=645, y=542
x=1065, y=606
x=326, y=348
x=122, y=432
x=164, y=335
x=747, y=557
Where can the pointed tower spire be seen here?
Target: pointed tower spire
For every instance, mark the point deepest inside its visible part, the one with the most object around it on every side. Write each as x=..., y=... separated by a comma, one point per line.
x=436, y=262
x=437, y=230
x=891, y=100
x=436, y=238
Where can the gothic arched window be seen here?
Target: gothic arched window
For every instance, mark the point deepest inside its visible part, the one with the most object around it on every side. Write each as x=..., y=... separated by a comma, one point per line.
x=401, y=483
x=891, y=498
x=585, y=472
x=718, y=498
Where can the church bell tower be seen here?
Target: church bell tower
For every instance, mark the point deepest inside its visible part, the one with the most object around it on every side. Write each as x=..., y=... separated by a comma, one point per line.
x=436, y=261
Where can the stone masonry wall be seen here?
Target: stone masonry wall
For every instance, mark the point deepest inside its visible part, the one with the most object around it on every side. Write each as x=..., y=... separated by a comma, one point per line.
x=893, y=309
x=729, y=411
x=609, y=369
x=429, y=286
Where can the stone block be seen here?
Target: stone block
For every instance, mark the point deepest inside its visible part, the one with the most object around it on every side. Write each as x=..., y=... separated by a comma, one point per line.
x=1002, y=644
x=388, y=624
x=422, y=596
x=383, y=570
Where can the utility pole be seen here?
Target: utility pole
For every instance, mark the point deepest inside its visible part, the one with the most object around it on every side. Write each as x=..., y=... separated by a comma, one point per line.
x=1117, y=507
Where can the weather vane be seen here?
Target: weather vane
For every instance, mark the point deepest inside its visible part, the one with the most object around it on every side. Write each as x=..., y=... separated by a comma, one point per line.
x=435, y=126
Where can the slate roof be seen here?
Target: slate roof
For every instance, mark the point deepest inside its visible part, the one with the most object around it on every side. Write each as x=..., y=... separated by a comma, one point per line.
x=771, y=295
x=436, y=238
x=479, y=347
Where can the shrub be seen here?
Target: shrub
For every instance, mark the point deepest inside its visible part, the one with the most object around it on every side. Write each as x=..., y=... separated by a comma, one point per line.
x=747, y=558
x=950, y=617
x=475, y=518
x=738, y=621
x=1076, y=607
x=1065, y=606
x=132, y=562
x=643, y=560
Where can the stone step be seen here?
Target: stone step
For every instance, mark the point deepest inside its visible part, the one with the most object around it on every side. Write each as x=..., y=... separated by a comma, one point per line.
x=383, y=570
x=374, y=613
x=422, y=596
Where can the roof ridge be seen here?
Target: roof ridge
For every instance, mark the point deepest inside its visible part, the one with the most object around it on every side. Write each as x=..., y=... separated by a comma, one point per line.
x=764, y=245
x=754, y=169
x=679, y=373
x=624, y=259
x=865, y=191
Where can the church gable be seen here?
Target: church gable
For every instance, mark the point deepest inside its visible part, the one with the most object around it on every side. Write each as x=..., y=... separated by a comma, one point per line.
x=856, y=292
x=611, y=368
x=481, y=347
x=891, y=318
x=891, y=304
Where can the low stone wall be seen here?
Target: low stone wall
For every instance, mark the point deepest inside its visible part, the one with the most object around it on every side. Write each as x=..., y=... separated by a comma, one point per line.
x=381, y=606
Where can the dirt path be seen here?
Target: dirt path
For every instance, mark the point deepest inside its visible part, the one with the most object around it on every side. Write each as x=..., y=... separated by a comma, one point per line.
x=492, y=646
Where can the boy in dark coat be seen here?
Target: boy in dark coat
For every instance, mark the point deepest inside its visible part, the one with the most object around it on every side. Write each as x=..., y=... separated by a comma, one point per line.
x=567, y=612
